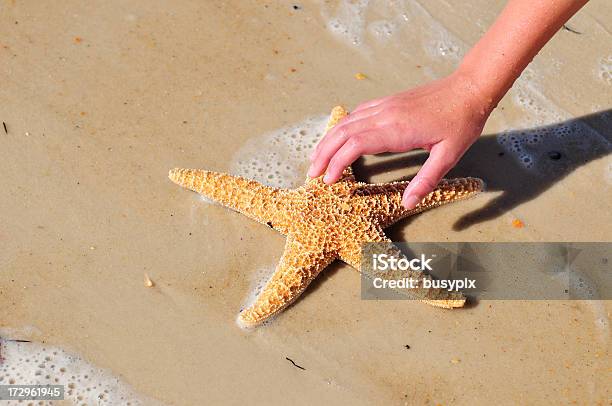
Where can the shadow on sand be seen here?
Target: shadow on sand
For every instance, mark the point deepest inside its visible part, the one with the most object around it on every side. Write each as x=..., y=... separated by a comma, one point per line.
x=522, y=164
x=549, y=154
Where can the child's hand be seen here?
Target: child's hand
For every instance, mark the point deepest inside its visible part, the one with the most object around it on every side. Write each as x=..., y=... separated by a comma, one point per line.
x=444, y=117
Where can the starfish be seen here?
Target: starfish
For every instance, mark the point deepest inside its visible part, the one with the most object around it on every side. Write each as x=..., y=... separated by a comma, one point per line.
x=322, y=223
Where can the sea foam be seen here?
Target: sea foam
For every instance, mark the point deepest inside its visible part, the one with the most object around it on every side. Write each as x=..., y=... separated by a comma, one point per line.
x=30, y=363
x=277, y=158
x=604, y=69
x=546, y=128
x=542, y=128
x=365, y=24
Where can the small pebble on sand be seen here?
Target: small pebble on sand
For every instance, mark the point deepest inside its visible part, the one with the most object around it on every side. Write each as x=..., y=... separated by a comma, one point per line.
x=148, y=282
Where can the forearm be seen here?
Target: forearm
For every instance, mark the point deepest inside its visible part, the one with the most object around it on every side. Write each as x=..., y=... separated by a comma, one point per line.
x=518, y=34
x=446, y=116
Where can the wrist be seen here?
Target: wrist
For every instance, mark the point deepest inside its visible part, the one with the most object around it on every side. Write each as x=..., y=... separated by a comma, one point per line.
x=479, y=95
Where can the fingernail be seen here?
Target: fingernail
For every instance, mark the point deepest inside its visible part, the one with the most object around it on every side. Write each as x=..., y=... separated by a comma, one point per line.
x=410, y=202
x=327, y=178
x=311, y=172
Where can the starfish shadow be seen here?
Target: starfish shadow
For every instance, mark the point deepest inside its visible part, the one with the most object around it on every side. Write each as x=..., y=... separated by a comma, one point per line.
x=522, y=164
x=326, y=274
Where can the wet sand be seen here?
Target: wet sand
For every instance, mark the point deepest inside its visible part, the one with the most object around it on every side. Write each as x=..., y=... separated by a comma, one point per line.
x=101, y=100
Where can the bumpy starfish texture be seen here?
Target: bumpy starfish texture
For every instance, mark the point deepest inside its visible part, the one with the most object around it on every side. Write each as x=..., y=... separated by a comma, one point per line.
x=323, y=223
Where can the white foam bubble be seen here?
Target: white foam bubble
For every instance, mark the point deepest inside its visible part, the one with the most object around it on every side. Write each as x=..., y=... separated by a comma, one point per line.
x=601, y=318
x=582, y=286
x=382, y=29
x=547, y=130
x=604, y=69
x=527, y=94
x=206, y=200
x=30, y=363
x=586, y=290
x=350, y=21
x=555, y=147
x=444, y=47
x=603, y=324
x=259, y=280
x=441, y=42
x=277, y=158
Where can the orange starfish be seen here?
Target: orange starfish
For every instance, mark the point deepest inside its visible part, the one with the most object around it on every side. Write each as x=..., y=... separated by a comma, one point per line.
x=322, y=223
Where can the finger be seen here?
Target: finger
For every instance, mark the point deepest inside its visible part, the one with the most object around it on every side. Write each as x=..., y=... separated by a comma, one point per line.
x=333, y=141
x=368, y=142
x=332, y=132
x=369, y=103
x=436, y=166
x=352, y=117
x=361, y=114
x=328, y=145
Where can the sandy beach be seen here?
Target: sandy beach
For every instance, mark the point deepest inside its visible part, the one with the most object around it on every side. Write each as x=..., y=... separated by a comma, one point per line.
x=100, y=99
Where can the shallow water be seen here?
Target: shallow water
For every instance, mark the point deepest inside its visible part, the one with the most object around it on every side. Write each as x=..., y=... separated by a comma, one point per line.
x=101, y=100
x=30, y=363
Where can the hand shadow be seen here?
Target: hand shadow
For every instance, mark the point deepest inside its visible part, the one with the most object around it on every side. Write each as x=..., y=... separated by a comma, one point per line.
x=522, y=164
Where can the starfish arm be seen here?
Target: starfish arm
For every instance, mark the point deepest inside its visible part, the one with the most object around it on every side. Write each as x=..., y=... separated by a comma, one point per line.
x=298, y=266
x=353, y=253
x=386, y=199
x=337, y=114
x=253, y=199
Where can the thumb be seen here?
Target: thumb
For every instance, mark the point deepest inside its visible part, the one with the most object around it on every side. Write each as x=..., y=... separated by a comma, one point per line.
x=440, y=161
